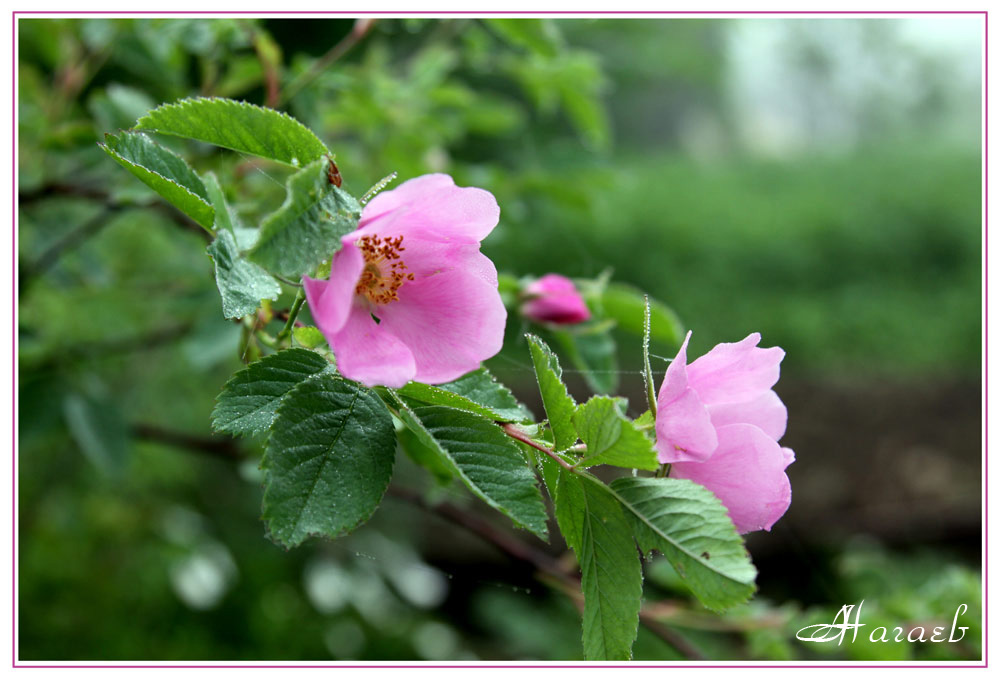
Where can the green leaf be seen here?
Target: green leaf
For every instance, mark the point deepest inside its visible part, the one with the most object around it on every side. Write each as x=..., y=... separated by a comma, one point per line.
x=242, y=284
x=646, y=421
x=594, y=526
x=477, y=392
x=239, y=126
x=424, y=455
x=307, y=228
x=690, y=526
x=484, y=458
x=308, y=336
x=593, y=354
x=626, y=305
x=163, y=171
x=328, y=460
x=224, y=219
x=559, y=405
x=250, y=399
x=538, y=35
x=611, y=438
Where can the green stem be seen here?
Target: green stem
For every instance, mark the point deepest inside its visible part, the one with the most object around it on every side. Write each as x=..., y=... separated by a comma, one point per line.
x=663, y=471
x=300, y=297
x=267, y=340
x=648, y=372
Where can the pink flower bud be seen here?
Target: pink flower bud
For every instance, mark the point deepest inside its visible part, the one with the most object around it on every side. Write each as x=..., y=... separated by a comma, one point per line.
x=554, y=299
x=718, y=423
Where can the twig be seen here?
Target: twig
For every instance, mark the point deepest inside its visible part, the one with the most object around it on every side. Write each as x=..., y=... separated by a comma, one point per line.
x=359, y=31
x=550, y=570
x=515, y=433
x=91, y=193
x=45, y=261
x=506, y=543
x=225, y=448
x=121, y=345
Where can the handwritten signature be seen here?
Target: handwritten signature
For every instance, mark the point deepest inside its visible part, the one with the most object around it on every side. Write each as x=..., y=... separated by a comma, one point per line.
x=842, y=624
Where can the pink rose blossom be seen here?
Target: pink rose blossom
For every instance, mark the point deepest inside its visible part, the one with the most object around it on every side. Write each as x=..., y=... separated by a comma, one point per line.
x=410, y=296
x=718, y=423
x=554, y=299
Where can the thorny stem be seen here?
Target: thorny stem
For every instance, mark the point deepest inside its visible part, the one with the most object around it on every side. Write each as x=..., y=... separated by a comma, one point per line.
x=648, y=373
x=519, y=435
x=300, y=297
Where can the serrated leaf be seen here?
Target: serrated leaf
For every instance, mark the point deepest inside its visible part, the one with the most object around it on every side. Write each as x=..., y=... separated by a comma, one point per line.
x=249, y=401
x=593, y=354
x=163, y=171
x=559, y=405
x=611, y=438
x=242, y=284
x=224, y=219
x=477, y=392
x=308, y=336
x=308, y=226
x=626, y=305
x=690, y=526
x=645, y=421
x=595, y=528
x=424, y=455
x=484, y=458
x=239, y=126
x=328, y=461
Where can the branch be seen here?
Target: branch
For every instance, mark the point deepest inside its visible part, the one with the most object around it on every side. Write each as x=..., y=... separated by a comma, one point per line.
x=100, y=195
x=224, y=448
x=29, y=271
x=359, y=31
x=550, y=571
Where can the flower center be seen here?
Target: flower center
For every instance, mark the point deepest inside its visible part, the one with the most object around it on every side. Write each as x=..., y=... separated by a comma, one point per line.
x=384, y=271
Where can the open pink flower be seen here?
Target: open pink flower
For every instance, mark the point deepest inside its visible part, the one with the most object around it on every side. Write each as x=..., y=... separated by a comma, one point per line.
x=718, y=423
x=410, y=296
x=554, y=299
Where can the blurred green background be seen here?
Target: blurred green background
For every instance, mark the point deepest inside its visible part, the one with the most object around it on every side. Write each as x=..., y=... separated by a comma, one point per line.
x=814, y=180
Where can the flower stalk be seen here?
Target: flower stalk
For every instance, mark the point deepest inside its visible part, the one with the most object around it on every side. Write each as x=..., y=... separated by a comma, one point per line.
x=293, y=313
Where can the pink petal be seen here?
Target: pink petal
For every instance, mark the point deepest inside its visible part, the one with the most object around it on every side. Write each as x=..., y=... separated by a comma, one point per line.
x=676, y=380
x=368, y=353
x=330, y=301
x=735, y=372
x=451, y=322
x=684, y=430
x=766, y=411
x=747, y=473
x=554, y=299
x=425, y=258
x=433, y=208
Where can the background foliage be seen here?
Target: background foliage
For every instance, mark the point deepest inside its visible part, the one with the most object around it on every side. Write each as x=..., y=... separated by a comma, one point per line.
x=847, y=232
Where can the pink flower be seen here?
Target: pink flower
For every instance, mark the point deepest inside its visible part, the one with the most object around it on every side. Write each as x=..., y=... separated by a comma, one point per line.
x=718, y=423
x=410, y=296
x=554, y=299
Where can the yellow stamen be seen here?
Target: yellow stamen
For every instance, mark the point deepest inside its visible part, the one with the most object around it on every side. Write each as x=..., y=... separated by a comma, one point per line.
x=384, y=271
